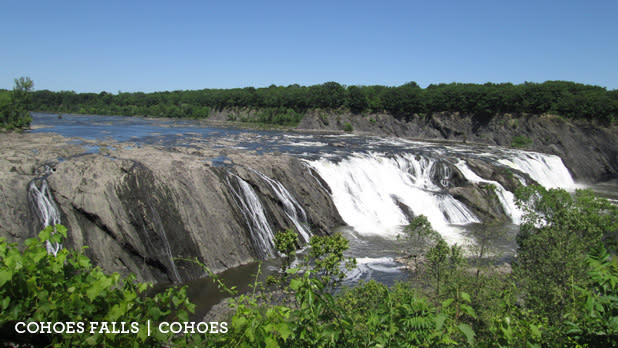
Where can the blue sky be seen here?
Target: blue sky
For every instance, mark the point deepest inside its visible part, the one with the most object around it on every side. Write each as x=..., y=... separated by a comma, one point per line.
x=93, y=46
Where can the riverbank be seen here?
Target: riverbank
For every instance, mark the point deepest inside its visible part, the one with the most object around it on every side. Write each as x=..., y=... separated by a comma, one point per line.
x=588, y=148
x=137, y=207
x=142, y=191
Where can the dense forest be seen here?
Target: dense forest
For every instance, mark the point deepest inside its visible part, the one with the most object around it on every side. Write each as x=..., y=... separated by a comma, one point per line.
x=287, y=105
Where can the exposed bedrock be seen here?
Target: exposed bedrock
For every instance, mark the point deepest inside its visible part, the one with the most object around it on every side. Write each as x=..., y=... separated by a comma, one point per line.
x=138, y=209
x=589, y=150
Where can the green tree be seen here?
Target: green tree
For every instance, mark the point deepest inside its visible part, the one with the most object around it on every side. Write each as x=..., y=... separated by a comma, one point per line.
x=443, y=260
x=15, y=112
x=357, y=100
x=557, y=232
x=564, y=98
x=6, y=106
x=421, y=233
x=286, y=243
x=327, y=256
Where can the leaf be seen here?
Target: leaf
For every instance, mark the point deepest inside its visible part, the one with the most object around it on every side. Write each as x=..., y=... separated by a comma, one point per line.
x=465, y=297
x=271, y=343
x=5, y=303
x=38, y=254
x=469, y=310
x=295, y=284
x=5, y=276
x=97, y=288
x=468, y=332
x=142, y=334
x=183, y=315
x=45, y=234
x=31, y=242
x=440, y=319
x=83, y=261
x=292, y=270
x=92, y=340
x=62, y=230
x=535, y=330
x=284, y=331
x=177, y=301
x=116, y=312
x=239, y=322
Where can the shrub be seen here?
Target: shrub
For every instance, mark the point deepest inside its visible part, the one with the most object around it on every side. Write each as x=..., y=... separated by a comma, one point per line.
x=37, y=287
x=520, y=141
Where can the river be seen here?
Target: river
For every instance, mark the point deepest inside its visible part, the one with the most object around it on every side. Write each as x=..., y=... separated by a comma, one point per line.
x=377, y=183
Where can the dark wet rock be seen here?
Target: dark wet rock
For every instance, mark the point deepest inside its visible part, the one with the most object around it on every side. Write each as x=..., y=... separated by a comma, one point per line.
x=589, y=150
x=482, y=200
x=412, y=263
x=507, y=177
x=446, y=175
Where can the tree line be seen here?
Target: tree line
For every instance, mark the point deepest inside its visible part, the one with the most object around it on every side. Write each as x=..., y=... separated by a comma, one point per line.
x=568, y=99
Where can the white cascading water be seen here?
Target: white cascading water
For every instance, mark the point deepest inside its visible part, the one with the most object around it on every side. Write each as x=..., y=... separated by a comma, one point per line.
x=254, y=215
x=506, y=198
x=167, y=248
x=291, y=207
x=548, y=170
x=366, y=266
x=45, y=208
x=370, y=189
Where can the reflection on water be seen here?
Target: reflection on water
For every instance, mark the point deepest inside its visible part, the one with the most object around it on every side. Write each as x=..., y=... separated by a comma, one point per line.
x=375, y=257
x=205, y=293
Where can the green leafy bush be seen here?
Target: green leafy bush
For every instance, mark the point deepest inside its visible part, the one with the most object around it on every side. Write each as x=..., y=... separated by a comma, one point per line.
x=556, y=295
x=15, y=105
x=520, y=141
x=594, y=319
x=38, y=287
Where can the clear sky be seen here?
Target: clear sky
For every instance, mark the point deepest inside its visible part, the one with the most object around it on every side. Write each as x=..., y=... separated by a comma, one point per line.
x=94, y=46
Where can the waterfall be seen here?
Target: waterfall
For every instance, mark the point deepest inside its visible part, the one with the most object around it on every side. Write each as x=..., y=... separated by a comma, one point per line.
x=377, y=193
x=253, y=212
x=44, y=206
x=506, y=198
x=291, y=207
x=167, y=248
x=548, y=170
x=374, y=193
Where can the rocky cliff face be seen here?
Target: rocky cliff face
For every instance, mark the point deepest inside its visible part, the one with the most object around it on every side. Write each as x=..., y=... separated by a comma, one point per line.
x=589, y=150
x=137, y=209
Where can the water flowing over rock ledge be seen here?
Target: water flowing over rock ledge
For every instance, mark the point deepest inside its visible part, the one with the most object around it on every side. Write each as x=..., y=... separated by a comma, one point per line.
x=588, y=149
x=140, y=206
